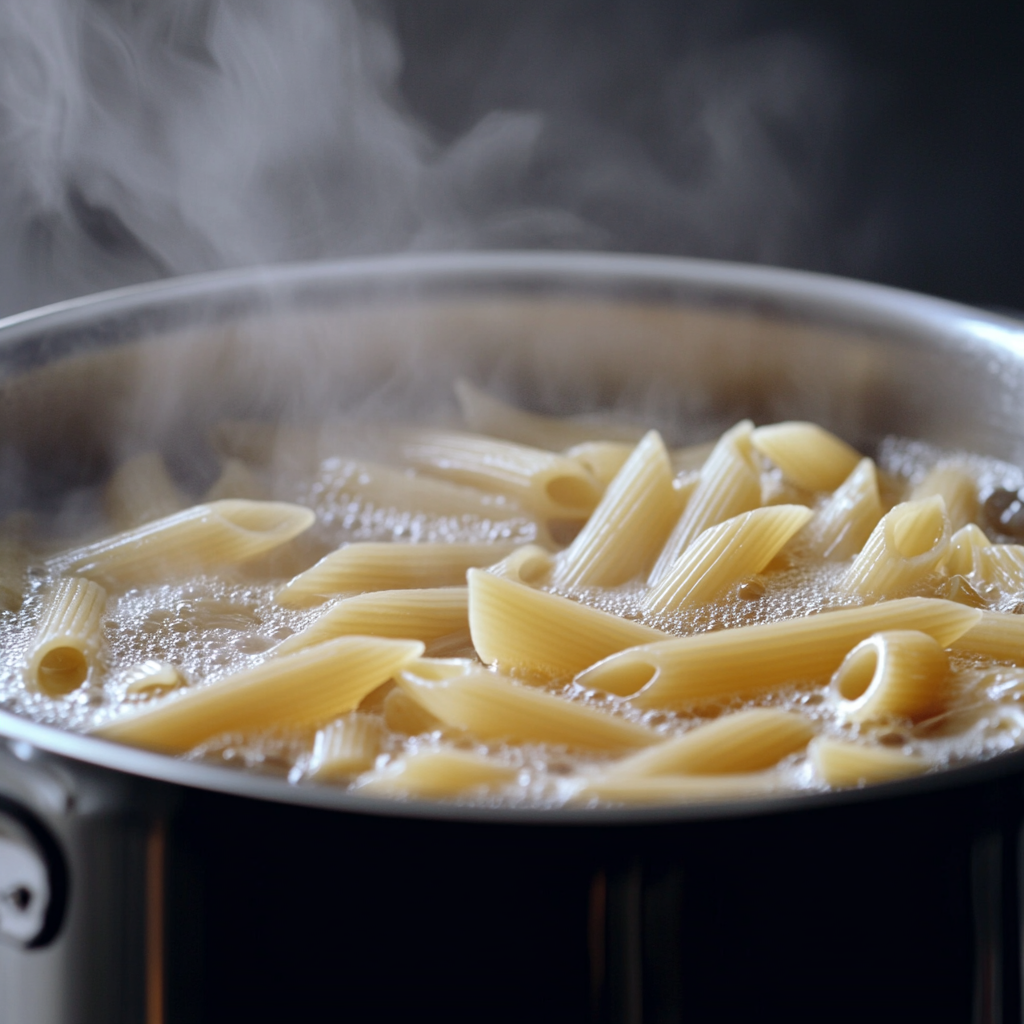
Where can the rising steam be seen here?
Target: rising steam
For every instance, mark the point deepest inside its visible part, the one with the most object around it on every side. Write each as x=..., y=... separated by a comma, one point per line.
x=140, y=140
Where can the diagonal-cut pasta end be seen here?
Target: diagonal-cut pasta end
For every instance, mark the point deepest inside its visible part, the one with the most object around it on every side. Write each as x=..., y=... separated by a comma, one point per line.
x=278, y=518
x=624, y=674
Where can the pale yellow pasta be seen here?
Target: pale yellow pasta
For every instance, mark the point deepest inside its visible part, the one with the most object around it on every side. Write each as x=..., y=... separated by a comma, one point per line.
x=69, y=636
x=843, y=524
x=548, y=483
x=411, y=614
x=808, y=455
x=629, y=526
x=908, y=543
x=752, y=659
x=465, y=695
x=997, y=635
x=14, y=559
x=960, y=556
x=301, y=690
x=1000, y=567
x=200, y=538
x=139, y=491
x=529, y=564
x=486, y=414
x=841, y=763
x=677, y=788
x=152, y=678
x=957, y=489
x=407, y=717
x=893, y=674
x=745, y=741
x=236, y=480
x=601, y=459
x=346, y=747
x=725, y=554
x=729, y=485
x=360, y=567
x=520, y=629
x=437, y=774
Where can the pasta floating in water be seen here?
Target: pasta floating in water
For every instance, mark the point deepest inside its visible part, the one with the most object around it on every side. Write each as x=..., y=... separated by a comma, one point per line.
x=564, y=612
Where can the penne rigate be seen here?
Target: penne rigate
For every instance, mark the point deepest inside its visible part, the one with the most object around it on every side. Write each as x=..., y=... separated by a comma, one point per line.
x=807, y=455
x=842, y=764
x=843, y=524
x=69, y=636
x=958, y=490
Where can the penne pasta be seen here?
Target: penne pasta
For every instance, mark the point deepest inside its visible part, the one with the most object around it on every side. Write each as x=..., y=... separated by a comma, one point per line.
x=467, y=696
x=807, y=455
x=1000, y=568
x=843, y=524
x=485, y=414
x=724, y=554
x=996, y=635
x=893, y=674
x=629, y=526
x=962, y=545
x=956, y=486
x=522, y=630
x=908, y=543
x=152, y=678
x=139, y=491
x=424, y=615
x=729, y=485
x=549, y=484
x=197, y=539
x=407, y=717
x=356, y=568
x=530, y=565
x=601, y=459
x=745, y=741
x=437, y=774
x=844, y=764
x=301, y=690
x=68, y=638
x=346, y=747
x=752, y=659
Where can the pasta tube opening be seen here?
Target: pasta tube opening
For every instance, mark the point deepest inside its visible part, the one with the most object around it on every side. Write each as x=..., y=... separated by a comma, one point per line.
x=623, y=674
x=899, y=673
x=61, y=670
x=917, y=531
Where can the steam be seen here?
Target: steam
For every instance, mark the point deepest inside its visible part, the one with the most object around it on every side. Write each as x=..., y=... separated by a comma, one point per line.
x=140, y=140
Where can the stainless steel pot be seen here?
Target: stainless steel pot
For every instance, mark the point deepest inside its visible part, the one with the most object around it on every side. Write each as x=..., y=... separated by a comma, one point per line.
x=135, y=887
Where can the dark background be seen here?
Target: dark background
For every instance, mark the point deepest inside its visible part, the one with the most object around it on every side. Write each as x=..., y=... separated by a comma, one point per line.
x=930, y=163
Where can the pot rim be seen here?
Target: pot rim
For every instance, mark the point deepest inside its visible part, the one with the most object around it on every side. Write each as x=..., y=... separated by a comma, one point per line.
x=840, y=300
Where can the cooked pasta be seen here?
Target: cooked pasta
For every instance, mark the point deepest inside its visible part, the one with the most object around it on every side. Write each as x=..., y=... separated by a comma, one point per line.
x=346, y=747
x=676, y=789
x=301, y=690
x=960, y=556
x=530, y=564
x=236, y=480
x=807, y=455
x=729, y=484
x=437, y=773
x=842, y=525
x=724, y=554
x=957, y=488
x=629, y=526
x=996, y=635
x=69, y=638
x=356, y=568
x=14, y=558
x=840, y=763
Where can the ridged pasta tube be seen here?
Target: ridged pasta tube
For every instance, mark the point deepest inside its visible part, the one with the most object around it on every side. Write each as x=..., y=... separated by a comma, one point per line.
x=437, y=774
x=550, y=484
x=152, y=678
x=301, y=690
x=962, y=545
x=729, y=484
x=840, y=763
x=200, y=537
x=957, y=489
x=724, y=554
x=909, y=542
x=629, y=526
x=356, y=568
x=997, y=635
x=462, y=694
x=520, y=629
x=346, y=747
x=69, y=636
x=408, y=717
x=843, y=524
x=893, y=674
x=530, y=564
x=141, y=490
x=401, y=614
x=486, y=414
x=677, y=789
x=601, y=459
x=751, y=659
x=1000, y=567
x=808, y=455
x=744, y=741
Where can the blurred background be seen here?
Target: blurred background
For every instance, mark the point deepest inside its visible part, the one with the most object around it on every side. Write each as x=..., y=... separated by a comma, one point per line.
x=147, y=138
